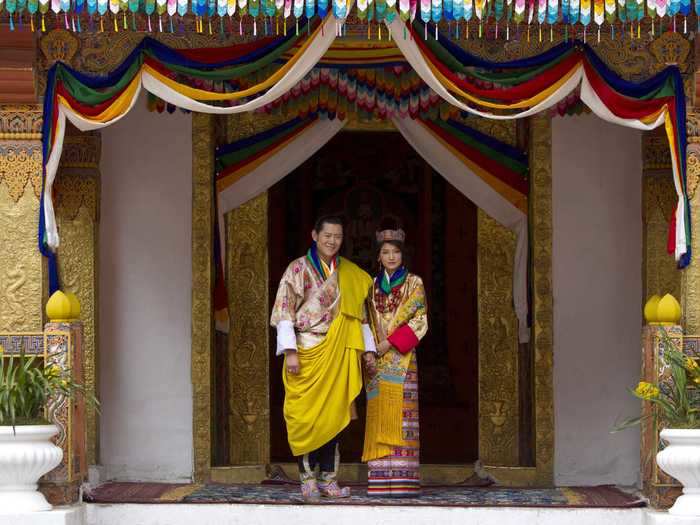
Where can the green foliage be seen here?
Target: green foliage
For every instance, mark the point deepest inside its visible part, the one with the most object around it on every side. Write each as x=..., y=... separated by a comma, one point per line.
x=26, y=385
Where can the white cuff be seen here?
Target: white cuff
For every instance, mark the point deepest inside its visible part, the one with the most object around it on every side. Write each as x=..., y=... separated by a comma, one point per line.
x=367, y=335
x=286, y=338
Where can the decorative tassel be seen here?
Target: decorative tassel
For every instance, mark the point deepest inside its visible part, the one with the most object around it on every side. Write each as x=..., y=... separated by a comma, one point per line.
x=210, y=31
x=102, y=24
x=639, y=30
x=379, y=32
x=240, y=25
x=284, y=27
x=255, y=26
x=496, y=32
x=685, y=25
x=43, y=24
x=585, y=28
x=12, y=22
x=124, y=21
x=65, y=19
x=436, y=33
x=674, y=24
x=72, y=23
x=116, y=26
x=31, y=23
x=599, y=34
x=160, y=24
x=481, y=29
x=297, y=25
x=150, y=28
x=172, y=28
x=540, y=28
x=133, y=21
x=222, y=34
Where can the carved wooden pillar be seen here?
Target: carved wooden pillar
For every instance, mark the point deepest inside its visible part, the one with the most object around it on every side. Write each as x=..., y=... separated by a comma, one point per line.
x=63, y=343
x=77, y=197
x=202, y=286
x=542, y=303
x=22, y=287
x=247, y=282
x=498, y=346
x=690, y=279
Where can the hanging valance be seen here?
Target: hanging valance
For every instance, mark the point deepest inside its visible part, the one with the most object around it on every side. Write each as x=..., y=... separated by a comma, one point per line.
x=160, y=13
x=212, y=81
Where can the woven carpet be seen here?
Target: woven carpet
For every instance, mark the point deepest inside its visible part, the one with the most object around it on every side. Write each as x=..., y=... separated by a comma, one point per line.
x=281, y=494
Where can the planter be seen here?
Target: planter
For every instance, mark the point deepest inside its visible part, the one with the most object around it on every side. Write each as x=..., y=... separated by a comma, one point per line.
x=681, y=459
x=26, y=454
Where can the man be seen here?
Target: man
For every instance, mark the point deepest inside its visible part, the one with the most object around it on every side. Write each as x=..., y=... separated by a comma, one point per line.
x=320, y=314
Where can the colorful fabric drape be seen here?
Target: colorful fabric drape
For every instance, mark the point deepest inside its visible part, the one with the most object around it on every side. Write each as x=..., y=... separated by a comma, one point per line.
x=190, y=79
x=252, y=76
x=490, y=173
x=522, y=88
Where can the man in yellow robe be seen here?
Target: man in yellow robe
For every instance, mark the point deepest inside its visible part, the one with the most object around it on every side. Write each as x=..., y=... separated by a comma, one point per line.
x=320, y=317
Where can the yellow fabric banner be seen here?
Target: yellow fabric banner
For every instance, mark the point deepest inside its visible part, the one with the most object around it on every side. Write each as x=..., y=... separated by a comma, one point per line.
x=317, y=399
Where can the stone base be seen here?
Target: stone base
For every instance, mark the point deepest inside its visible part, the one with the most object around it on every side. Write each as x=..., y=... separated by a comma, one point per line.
x=664, y=518
x=61, y=494
x=74, y=515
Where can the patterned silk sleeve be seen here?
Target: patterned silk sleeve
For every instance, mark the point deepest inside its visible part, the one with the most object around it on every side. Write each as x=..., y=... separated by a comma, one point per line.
x=290, y=295
x=415, y=318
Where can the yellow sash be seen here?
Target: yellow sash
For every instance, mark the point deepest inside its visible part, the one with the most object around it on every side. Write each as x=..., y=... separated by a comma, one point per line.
x=317, y=399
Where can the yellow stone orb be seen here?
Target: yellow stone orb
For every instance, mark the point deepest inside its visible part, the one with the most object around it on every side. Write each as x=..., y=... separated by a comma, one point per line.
x=74, y=305
x=650, y=309
x=58, y=307
x=668, y=310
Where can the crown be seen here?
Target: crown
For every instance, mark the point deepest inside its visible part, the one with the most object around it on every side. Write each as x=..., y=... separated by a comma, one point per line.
x=391, y=235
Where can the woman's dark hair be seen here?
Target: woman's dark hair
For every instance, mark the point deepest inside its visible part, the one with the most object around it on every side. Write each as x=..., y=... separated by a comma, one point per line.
x=395, y=244
x=327, y=219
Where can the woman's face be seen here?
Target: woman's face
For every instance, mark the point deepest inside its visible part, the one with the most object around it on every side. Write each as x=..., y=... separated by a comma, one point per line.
x=390, y=257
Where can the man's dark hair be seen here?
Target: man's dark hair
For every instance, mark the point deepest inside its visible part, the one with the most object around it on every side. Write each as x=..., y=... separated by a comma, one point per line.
x=327, y=219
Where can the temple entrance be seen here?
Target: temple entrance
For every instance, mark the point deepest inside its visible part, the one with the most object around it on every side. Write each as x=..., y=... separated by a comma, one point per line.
x=368, y=177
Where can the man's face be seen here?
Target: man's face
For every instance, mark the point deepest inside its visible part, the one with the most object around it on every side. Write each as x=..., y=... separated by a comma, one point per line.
x=328, y=240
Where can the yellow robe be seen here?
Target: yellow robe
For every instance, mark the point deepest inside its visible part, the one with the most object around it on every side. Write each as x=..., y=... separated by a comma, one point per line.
x=318, y=399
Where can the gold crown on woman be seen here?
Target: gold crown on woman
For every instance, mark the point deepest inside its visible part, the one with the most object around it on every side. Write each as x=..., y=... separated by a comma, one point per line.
x=391, y=235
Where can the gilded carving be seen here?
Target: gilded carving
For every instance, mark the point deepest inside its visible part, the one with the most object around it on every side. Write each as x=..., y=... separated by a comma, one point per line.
x=202, y=283
x=542, y=304
x=248, y=306
x=248, y=339
x=77, y=194
x=498, y=346
x=690, y=278
x=21, y=274
x=656, y=155
x=20, y=163
x=20, y=122
x=661, y=275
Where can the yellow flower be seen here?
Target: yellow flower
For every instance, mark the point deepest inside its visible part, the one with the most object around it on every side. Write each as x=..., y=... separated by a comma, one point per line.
x=646, y=390
x=53, y=371
x=64, y=383
x=691, y=364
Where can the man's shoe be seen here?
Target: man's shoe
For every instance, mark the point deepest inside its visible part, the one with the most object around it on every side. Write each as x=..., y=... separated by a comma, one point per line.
x=309, y=489
x=330, y=489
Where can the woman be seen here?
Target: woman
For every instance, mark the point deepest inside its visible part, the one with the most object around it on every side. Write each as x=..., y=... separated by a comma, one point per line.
x=398, y=314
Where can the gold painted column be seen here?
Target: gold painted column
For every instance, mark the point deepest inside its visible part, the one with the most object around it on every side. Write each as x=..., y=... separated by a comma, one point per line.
x=248, y=281
x=22, y=269
x=690, y=278
x=202, y=285
x=542, y=303
x=77, y=197
x=498, y=346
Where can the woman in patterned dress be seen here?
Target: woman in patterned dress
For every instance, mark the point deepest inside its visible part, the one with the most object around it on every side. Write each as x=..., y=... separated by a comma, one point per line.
x=398, y=313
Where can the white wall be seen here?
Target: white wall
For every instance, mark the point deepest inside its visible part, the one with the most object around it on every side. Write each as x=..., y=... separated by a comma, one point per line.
x=597, y=278
x=145, y=297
